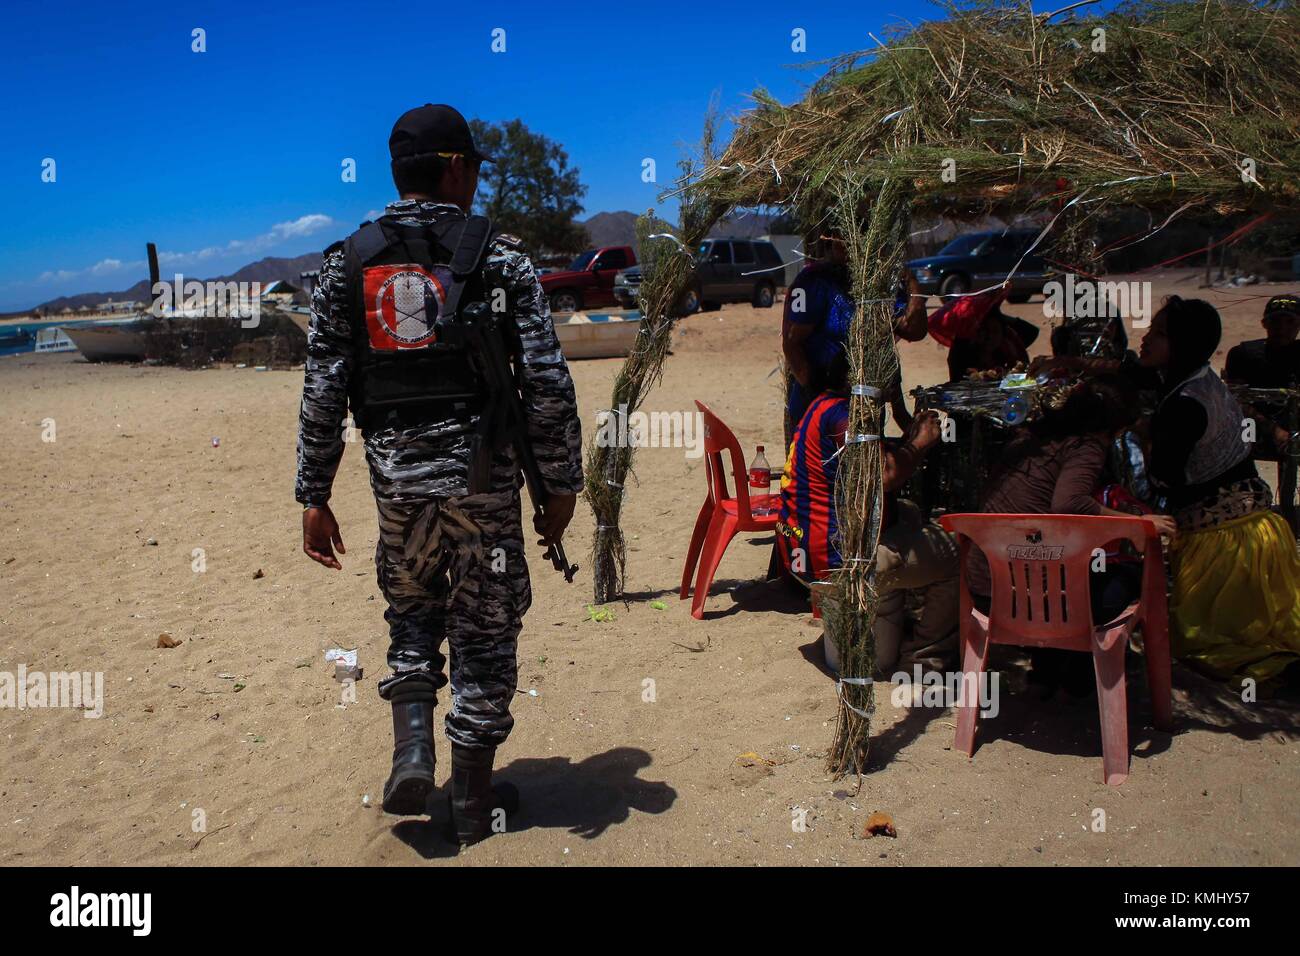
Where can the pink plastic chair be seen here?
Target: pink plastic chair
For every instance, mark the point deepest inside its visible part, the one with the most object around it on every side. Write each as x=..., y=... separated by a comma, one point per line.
x=1039, y=569
x=722, y=516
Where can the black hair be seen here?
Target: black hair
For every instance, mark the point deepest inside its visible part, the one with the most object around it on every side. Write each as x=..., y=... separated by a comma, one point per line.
x=1103, y=404
x=1071, y=339
x=1194, y=330
x=418, y=173
x=1106, y=403
x=836, y=378
x=1120, y=334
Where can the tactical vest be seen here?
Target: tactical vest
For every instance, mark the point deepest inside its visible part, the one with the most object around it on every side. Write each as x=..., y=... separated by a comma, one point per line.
x=1221, y=447
x=405, y=284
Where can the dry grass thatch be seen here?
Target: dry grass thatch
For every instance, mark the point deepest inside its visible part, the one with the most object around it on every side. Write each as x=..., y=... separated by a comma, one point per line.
x=1170, y=106
x=1159, y=109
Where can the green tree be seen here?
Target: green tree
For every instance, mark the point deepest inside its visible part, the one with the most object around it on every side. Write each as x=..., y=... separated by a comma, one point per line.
x=531, y=191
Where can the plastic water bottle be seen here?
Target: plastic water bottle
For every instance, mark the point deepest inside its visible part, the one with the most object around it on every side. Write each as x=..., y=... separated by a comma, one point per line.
x=760, y=482
x=1015, y=409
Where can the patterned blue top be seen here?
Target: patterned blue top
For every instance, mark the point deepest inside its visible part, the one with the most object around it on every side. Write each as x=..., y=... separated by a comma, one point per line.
x=828, y=308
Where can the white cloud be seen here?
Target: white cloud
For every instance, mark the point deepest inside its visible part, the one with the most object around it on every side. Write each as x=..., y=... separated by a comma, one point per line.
x=280, y=232
x=106, y=267
x=61, y=275
x=302, y=226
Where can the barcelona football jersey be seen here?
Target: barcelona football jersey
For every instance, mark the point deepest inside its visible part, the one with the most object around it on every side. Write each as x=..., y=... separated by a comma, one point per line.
x=807, y=531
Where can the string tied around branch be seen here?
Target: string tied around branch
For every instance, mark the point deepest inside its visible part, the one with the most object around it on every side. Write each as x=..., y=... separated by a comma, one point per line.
x=855, y=439
x=857, y=682
x=680, y=245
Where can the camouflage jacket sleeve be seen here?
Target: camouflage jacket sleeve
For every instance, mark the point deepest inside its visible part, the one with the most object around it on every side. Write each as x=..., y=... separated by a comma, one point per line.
x=547, y=388
x=325, y=385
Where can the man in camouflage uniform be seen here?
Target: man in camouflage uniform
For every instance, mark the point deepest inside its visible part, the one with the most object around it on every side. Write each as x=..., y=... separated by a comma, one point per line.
x=450, y=563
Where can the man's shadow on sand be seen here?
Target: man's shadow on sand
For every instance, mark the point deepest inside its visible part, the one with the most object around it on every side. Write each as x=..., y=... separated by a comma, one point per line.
x=585, y=798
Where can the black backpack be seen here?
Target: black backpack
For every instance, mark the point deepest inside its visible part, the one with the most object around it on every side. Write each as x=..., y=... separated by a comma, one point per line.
x=405, y=286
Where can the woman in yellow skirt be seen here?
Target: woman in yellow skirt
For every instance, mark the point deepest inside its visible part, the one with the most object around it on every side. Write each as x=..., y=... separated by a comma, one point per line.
x=1235, y=606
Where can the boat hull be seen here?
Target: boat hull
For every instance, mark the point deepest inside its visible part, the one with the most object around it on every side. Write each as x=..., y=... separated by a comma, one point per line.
x=598, y=335
x=109, y=344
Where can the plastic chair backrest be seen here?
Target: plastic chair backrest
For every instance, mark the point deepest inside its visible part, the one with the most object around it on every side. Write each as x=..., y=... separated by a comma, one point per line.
x=1038, y=567
x=718, y=440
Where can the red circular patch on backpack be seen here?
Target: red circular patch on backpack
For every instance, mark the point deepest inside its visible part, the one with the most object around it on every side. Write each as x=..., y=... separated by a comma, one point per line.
x=406, y=305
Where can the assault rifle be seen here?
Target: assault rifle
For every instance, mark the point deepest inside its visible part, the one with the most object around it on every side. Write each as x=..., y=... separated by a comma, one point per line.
x=503, y=421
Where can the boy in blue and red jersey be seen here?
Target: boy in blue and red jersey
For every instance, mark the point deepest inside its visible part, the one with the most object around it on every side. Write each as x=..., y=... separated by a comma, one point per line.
x=912, y=555
x=807, y=516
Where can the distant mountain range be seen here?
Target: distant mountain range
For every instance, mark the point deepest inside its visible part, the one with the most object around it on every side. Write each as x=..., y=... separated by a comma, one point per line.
x=619, y=228
x=604, y=229
x=611, y=229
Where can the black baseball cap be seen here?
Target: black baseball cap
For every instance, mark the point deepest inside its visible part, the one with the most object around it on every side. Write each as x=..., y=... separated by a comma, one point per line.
x=1282, y=305
x=433, y=129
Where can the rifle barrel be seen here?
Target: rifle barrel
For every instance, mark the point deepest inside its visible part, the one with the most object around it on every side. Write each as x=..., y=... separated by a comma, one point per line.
x=486, y=337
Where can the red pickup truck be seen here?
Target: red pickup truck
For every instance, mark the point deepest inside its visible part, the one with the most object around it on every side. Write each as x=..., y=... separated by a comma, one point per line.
x=589, y=281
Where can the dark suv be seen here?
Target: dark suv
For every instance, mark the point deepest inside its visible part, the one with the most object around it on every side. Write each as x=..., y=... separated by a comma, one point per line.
x=726, y=270
x=981, y=259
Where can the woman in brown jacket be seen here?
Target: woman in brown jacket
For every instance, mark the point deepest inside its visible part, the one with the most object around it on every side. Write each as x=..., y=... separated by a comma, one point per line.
x=1055, y=467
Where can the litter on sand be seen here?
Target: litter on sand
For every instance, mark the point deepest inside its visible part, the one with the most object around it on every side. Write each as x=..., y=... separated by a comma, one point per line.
x=879, y=824
x=345, y=664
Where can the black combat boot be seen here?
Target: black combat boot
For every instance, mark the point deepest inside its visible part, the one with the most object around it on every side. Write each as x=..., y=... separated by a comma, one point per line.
x=407, y=791
x=474, y=801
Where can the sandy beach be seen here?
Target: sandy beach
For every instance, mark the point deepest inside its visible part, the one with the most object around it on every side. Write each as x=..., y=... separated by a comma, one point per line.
x=243, y=728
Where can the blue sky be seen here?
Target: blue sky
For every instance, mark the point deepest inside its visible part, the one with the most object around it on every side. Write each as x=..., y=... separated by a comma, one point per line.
x=232, y=154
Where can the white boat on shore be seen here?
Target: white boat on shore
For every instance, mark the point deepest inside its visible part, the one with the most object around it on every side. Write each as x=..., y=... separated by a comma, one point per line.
x=53, y=339
x=585, y=335
x=121, y=341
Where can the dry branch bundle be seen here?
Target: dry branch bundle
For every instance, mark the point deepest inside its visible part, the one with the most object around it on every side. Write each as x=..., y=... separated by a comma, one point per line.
x=668, y=264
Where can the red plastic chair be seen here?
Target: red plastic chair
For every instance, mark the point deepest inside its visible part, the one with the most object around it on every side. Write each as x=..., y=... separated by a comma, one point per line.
x=722, y=516
x=1039, y=567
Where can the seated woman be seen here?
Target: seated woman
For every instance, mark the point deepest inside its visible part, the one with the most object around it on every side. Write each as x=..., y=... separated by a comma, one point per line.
x=1234, y=606
x=1056, y=466
x=912, y=555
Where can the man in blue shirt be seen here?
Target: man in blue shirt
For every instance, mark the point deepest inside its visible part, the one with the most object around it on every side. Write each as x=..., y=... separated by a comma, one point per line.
x=815, y=327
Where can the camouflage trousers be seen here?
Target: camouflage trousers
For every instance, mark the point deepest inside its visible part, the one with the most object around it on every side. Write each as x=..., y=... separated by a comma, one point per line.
x=454, y=569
